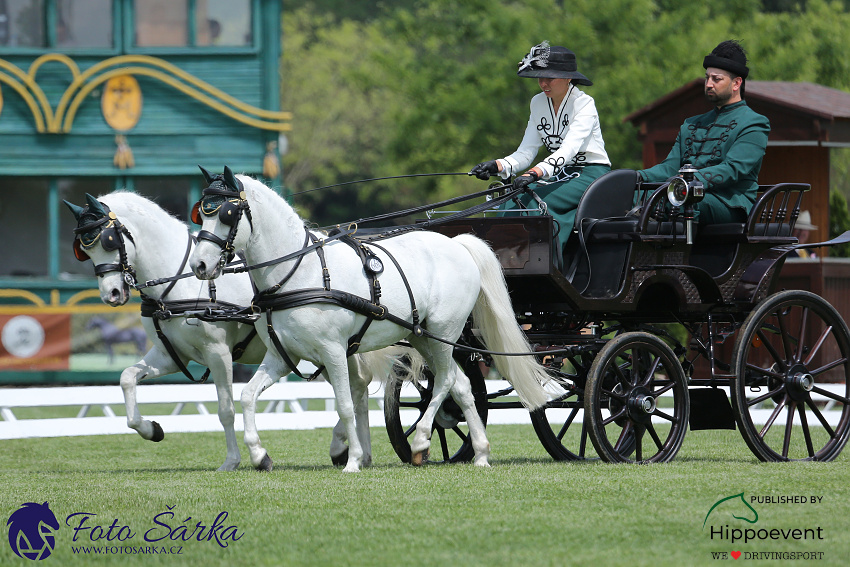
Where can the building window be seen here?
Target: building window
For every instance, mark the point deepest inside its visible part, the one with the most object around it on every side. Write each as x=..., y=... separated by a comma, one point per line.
x=223, y=22
x=170, y=193
x=161, y=23
x=180, y=23
x=84, y=24
x=22, y=23
x=24, y=220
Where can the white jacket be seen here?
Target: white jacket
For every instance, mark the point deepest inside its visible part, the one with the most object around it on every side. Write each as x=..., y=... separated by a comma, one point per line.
x=572, y=135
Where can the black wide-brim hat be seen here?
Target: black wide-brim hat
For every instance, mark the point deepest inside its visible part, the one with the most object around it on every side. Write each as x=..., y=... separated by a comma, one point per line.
x=551, y=62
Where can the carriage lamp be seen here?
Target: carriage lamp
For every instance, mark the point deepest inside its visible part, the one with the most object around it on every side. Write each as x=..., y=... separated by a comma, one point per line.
x=685, y=190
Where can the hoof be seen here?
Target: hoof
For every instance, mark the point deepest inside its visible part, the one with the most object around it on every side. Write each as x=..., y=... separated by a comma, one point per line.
x=158, y=433
x=340, y=460
x=266, y=464
x=419, y=459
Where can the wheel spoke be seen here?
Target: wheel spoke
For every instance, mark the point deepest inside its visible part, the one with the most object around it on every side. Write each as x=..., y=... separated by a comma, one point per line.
x=624, y=380
x=623, y=436
x=830, y=366
x=653, y=368
x=769, y=346
x=412, y=428
x=786, y=337
x=765, y=371
x=804, y=319
x=820, y=417
x=444, y=445
x=459, y=432
x=582, y=445
x=776, y=411
x=666, y=416
x=806, y=433
x=831, y=395
x=789, y=427
x=614, y=417
x=818, y=344
x=669, y=386
x=770, y=394
x=654, y=435
x=567, y=424
x=639, y=443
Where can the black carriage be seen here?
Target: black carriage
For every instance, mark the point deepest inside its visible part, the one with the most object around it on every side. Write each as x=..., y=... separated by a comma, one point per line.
x=631, y=321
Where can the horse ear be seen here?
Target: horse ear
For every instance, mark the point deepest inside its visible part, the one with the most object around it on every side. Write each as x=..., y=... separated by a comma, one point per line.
x=94, y=205
x=207, y=175
x=231, y=181
x=77, y=210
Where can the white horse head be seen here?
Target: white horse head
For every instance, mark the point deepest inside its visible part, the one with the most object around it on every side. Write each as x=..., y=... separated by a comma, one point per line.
x=109, y=231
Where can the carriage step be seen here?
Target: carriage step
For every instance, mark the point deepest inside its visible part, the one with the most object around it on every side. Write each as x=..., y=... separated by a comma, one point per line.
x=710, y=409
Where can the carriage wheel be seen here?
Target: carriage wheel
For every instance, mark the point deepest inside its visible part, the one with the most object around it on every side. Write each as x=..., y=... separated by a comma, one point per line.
x=791, y=363
x=636, y=401
x=450, y=442
x=560, y=424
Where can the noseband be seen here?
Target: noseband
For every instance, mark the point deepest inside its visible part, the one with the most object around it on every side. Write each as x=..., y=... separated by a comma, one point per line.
x=230, y=201
x=111, y=237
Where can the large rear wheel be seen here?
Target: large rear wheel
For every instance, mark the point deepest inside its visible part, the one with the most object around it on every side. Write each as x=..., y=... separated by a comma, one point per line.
x=791, y=363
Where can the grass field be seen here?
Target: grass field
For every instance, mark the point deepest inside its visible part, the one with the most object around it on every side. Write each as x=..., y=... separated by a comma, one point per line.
x=525, y=510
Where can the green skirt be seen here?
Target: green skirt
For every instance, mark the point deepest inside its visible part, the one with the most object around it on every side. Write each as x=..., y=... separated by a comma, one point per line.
x=561, y=197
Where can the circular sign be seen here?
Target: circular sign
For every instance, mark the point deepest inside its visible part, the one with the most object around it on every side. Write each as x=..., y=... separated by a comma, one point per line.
x=121, y=102
x=22, y=336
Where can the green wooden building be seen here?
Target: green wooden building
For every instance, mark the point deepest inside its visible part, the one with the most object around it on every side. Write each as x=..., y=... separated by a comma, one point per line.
x=99, y=95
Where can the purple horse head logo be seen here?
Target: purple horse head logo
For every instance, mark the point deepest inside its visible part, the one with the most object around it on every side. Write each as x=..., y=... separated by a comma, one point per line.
x=31, y=530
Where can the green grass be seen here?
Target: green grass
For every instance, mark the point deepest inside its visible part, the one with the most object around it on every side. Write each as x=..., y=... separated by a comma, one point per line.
x=526, y=509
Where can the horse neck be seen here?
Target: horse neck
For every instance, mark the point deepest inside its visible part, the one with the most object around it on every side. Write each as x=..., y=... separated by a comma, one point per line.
x=160, y=243
x=277, y=231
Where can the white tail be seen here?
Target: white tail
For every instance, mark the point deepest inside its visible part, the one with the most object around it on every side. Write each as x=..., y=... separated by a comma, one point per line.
x=494, y=317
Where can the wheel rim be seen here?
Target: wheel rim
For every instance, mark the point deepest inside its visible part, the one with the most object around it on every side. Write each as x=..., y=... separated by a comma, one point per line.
x=637, y=400
x=450, y=441
x=791, y=360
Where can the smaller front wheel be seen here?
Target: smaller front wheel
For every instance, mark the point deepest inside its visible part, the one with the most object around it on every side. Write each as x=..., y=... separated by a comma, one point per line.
x=636, y=400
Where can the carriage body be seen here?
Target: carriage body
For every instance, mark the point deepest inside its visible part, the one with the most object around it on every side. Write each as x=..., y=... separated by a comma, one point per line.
x=623, y=378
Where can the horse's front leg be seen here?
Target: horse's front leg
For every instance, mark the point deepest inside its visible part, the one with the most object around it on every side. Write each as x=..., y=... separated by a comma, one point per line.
x=337, y=373
x=221, y=370
x=262, y=379
x=155, y=363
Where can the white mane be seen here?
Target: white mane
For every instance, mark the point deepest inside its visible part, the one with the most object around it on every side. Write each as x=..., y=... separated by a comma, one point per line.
x=136, y=209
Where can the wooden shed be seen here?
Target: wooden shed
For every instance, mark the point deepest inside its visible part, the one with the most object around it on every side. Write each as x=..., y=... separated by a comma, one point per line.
x=806, y=120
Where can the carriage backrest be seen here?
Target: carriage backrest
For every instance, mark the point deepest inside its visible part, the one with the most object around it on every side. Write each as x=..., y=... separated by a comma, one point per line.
x=611, y=195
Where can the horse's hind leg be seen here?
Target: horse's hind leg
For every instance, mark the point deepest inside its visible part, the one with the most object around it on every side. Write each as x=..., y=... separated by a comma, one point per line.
x=360, y=376
x=462, y=394
x=155, y=363
x=447, y=377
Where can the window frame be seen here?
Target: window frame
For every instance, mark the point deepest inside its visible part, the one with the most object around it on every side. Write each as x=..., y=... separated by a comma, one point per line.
x=123, y=35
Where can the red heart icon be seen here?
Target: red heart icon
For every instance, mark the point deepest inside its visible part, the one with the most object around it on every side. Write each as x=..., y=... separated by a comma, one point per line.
x=736, y=554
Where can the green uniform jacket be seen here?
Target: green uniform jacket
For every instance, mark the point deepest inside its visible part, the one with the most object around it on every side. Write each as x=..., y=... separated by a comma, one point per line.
x=727, y=147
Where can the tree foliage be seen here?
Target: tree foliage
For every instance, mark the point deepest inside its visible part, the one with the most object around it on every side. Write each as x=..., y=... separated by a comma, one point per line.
x=430, y=85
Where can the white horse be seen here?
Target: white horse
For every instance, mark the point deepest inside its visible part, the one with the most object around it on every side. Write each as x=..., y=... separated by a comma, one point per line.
x=157, y=248
x=448, y=279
